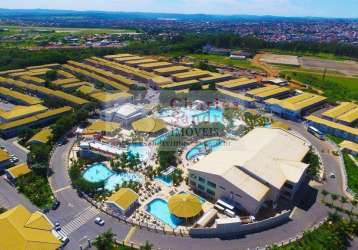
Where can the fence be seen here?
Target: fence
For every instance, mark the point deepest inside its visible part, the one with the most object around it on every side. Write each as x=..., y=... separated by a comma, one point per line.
x=238, y=229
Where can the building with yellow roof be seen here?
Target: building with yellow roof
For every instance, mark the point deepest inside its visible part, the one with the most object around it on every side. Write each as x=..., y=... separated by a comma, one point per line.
x=242, y=83
x=4, y=159
x=20, y=112
x=350, y=147
x=295, y=107
x=236, y=98
x=191, y=75
x=333, y=128
x=17, y=171
x=42, y=119
x=109, y=99
x=154, y=65
x=167, y=71
x=20, y=229
x=104, y=127
x=345, y=113
x=41, y=137
x=148, y=125
x=18, y=97
x=123, y=201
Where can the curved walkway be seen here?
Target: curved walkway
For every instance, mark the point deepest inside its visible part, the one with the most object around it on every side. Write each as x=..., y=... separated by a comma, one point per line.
x=72, y=207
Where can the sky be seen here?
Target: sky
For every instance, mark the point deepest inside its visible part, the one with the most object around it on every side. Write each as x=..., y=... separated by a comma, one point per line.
x=317, y=8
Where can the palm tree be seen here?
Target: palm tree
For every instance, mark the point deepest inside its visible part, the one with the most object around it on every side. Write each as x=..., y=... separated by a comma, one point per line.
x=147, y=246
x=324, y=193
x=334, y=197
x=105, y=241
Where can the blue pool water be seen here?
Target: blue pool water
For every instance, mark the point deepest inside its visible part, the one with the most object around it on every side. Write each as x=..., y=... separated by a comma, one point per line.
x=159, y=209
x=118, y=179
x=165, y=181
x=97, y=172
x=100, y=172
x=200, y=148
x=139, y=149
x=212, y=115
x=163, y=137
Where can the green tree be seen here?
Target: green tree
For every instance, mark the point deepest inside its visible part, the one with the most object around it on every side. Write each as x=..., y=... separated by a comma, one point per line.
x=147, y=246
x=105, y=241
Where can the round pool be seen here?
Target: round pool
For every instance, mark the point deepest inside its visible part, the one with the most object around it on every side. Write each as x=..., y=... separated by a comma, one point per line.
x=204, y=148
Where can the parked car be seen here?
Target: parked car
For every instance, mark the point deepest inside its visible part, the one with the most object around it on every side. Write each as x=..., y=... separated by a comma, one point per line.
x=57, y=226
x=99, y=221
x=55, y=205
x=64, y=240
x=332, y=175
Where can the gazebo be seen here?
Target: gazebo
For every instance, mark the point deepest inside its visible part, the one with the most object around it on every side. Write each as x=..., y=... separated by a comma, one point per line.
x=184, y=205
x=149, y=125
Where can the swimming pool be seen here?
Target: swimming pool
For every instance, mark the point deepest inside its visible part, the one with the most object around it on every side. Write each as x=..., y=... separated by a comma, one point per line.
x=165, y=181
x=203, y=147
x=212, y=115
x=163, y=137
x=139, y=149
x=100, y=172
x=97, y=172
x=159, y=209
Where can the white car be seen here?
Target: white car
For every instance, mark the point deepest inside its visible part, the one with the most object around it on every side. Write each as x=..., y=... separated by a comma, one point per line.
x=332, y=175
x=99, y=221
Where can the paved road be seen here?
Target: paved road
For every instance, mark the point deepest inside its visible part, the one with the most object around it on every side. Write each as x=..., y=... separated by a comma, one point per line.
x=79, y=223
x=9, y=197
x=14, y=149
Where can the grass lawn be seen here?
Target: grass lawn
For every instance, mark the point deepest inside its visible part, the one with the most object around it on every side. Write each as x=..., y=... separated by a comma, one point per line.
x=225, y=60
x=352, y=173
x=327, y=56
x=336, y=88
x=334, y=234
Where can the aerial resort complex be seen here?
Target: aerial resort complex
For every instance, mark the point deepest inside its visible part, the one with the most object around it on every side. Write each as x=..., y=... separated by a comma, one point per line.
x=162, y=146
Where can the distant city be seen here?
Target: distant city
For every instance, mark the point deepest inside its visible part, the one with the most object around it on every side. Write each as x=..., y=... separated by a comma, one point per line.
x=268, y=28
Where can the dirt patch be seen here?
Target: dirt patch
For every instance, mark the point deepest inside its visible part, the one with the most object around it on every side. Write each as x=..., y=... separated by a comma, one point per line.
x=346, y=67
x=280, y=59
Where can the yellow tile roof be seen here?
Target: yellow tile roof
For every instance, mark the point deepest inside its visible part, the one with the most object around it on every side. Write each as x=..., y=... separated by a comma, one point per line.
x=117, y=56
x=18, y=112
x=349, y=145
x=65, y=74
x=65, y=81
x=123, y=198
x=22, y=230
x=236, y=95
x=334, y=125
x=171, y=69
x=154, y=65
x=29, y=120
x=73, y=85
x=30, y=100
x=11, y=71
x=18, y=170
x=180, y=84
x=110, y=97
x=141, y=61
x=195, y=73
x=33, y=79
x=148, y=125
x=43, y=136
x=88, y=89
x=128, y=58
x=298, y=102
x=257, y=91
x=4, y=156
x=273, y=92
x=346, y=112
x=51, y=65
x=100, y=126
x=236, y=82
